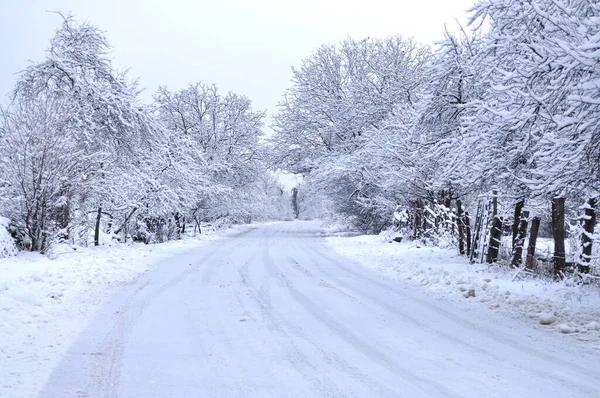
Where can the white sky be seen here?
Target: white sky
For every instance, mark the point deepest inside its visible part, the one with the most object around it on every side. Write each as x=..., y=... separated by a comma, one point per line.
x=243, y=46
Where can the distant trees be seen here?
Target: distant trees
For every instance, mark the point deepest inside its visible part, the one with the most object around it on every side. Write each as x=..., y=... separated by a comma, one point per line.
x=225, y=132
x=337, y=96
x=81, y=157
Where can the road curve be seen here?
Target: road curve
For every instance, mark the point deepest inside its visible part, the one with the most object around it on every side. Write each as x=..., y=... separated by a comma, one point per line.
x=275, y=313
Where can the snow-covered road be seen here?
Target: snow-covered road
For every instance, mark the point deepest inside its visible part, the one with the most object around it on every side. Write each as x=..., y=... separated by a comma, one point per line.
x=274, y=313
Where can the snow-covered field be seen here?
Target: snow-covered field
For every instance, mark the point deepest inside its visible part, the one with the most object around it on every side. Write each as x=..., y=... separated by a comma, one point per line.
x=561, y=307
x=46, y=302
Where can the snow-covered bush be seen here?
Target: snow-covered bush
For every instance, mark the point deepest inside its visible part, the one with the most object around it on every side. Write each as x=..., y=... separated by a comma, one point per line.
x=7, y=243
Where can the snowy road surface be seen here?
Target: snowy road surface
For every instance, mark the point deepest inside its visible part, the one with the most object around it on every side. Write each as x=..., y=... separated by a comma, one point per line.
x=274, y=313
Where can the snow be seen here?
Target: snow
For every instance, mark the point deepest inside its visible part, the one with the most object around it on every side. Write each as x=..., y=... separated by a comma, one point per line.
x=7, y=244
x=593, y=326
x=46, y=302
x=288, y=180
x=276, y=313
x=547, y=319
x=563, y=307
x=566, y=329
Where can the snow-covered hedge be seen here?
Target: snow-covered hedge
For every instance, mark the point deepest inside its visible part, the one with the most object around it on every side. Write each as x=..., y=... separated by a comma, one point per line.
x=7, y=243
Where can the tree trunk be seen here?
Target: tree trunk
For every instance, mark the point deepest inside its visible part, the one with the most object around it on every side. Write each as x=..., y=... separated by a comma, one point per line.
x=468, y=231
x=97, y=229
x=496, y=231
x=295, y=202
x=175, y=232
x=197, y=221
x=533, y=233
x=418, y=221
x=520, y=239
x=126, y=221
x=516, y=222
x=447, y=220
x=558, y=232
x=177, y=223
x=461, y=227
x=495, y=237
x=110, y=224
x=589, y=221
x=439, y=219
x=448, y=204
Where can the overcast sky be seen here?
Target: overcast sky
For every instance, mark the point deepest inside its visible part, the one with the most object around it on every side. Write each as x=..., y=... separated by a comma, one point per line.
x=243, y=46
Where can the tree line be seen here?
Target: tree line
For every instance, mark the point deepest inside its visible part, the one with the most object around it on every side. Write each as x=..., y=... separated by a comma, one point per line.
x=493, y=132
x=83, y=158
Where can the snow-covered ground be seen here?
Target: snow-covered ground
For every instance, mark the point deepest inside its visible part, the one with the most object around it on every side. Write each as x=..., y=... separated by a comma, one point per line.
x=562, y=307
x=46, y=302
x=276, y=313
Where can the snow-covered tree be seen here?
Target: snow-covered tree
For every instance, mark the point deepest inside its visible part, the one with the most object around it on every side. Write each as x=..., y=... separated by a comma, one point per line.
x=225, y=133
x=338, y=97
x=339, y=93
x=83, y=158
x=105, y=124
x=43, y=171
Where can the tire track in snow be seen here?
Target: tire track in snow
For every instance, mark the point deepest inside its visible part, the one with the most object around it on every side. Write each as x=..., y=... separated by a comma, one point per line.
x=484, y=352
x=328, y=320
x=309, y=333
x=331, y=357
x=297, y=359
x=106, y=370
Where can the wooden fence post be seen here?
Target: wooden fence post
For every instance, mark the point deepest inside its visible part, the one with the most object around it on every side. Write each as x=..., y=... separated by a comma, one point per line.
x=558, y=232
x=520, y=239
x=461, y=227
x=478, y=221
x=468, y=230
x=517, y=221
x=495, y=237
x=589, y=220
x=533, y=233
x=496, y=231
